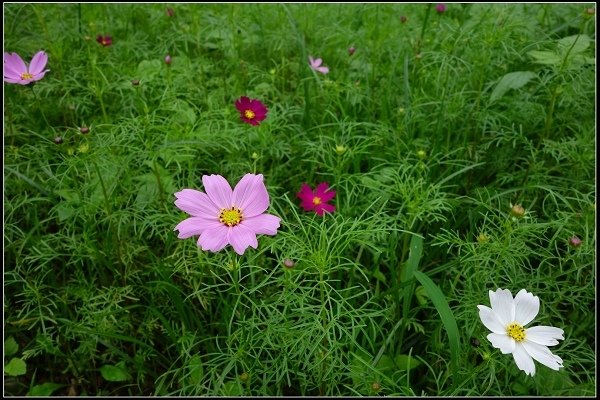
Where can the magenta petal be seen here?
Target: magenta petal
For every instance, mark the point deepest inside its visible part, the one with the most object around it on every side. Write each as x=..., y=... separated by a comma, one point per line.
x=321, y=189
x=38, y=62
x=323, y=70
x=330, y=194
x=196, y=203
x=324, y=207
x=250, y=195
x=264, y=224
x=214, y=239
x=218, y=190
x=306, y=193
x=194, y=226
x=242, y=103
x=240, y=237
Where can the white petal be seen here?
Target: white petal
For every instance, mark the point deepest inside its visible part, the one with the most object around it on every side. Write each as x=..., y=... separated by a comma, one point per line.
x=543, y=355
x=544, y=335
x=503, y=304
x=502, y=341
x=491, y=320
x=527, y=307
x=523, y=360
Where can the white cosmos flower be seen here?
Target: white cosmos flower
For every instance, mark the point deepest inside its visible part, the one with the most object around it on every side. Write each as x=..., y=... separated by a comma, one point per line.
x=507, y=319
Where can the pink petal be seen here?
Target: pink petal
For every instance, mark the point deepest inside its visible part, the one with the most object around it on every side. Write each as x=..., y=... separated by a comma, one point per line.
x=241, y=237
x=14, y=64
x=307, y=205
x=15, y=80
x=312, y=61
x=242, y=103
x=39, y=76
x=250, y=195
x=264, y=224
x=321, y=189
x=323, y=70
x=194, y=226
x=325, y=197
x=214, y=239
x=317, y=62
x=196, y=203
x=218, y=190
x=38, y=62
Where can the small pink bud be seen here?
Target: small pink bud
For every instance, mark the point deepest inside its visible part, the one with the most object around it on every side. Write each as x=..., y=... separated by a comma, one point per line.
x=84, y=130
x=58, y=140
x=351, y=50
x=440, y=8
x=288, y=263
x=168, y=59
x=575, y=241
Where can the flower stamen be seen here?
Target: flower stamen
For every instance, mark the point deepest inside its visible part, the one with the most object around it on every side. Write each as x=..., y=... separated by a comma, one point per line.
x=316, y=201
x=249, y=114
x=26, y=75
x=516, y=332
x=230, y=217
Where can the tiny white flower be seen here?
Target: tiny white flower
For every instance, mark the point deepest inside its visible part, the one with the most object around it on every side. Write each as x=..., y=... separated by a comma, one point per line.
x=507, y=319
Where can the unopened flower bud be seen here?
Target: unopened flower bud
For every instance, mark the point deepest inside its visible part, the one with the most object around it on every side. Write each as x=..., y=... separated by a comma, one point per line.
x=58, y=140
x=440, y=8
x=170, y=12
x=575, y=241
x=403, y=19
x=84, y=130
x=254, y=156
x=517, y=211
x=288, y=263
x=168, y=59
x=135, y=82
x=376, y=386
x=590, y=11
x=482, y=238
x=244, y=377
x=421, y=154
x=340, y=149
x=351, y=50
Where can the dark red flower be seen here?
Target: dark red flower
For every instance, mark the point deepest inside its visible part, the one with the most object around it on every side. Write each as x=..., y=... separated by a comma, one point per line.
x=104, y=40
x=251, y=111
x=317, y=201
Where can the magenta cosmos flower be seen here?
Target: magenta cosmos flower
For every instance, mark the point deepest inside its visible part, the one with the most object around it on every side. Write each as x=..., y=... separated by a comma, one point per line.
x=440, y=8
x=16, y=71
x=104, y=40
x=315, y=64
x=317, y=201
x=222, y=216
x=251, y=111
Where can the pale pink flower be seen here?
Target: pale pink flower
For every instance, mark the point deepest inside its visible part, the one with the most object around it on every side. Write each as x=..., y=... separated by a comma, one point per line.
x=222, y=216
x=16, y=71
x=315, y=64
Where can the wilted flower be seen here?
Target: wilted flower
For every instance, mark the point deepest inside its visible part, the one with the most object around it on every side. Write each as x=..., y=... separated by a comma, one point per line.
x=104, y=40
x=317, y=201
x=16, y=71
x=574, y=241
x=440, y=8
x=507, y=319
x=315, y=64
x=251, y=111
x=222, y=216
x=168, y=59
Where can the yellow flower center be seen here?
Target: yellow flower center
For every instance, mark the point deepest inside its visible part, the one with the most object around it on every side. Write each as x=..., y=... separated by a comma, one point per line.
x=249, y=114
x=516, y=331
x=26, y=75
x=316, y=201
x=230, y=217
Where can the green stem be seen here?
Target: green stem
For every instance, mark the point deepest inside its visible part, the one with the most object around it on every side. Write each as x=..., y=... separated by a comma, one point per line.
x=39, y=104
x=104, y=192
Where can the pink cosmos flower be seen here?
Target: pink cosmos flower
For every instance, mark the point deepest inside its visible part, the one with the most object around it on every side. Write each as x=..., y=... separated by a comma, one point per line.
x=251, y=111
x=317, y=201
x=104, y=40
x=222, y=216
x=16, y=71
x=315, y=64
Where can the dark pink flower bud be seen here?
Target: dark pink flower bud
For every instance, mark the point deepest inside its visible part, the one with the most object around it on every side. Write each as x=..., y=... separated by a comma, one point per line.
x=84, y=130
x=575, y=241
x=288, y=263
x=351, y=50
x=168, y=59
x=440, y=8
x=58, y=140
